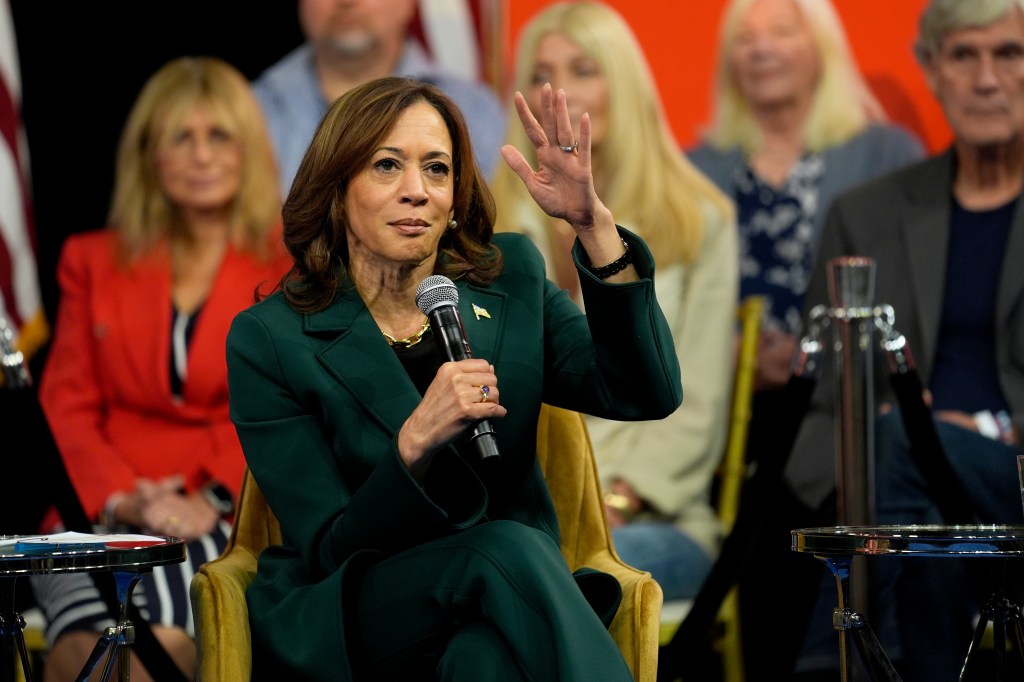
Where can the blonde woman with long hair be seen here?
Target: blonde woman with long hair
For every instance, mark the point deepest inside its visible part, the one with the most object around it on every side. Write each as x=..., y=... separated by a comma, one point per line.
x=135, y=385
x=657, y=475
x=794, y=124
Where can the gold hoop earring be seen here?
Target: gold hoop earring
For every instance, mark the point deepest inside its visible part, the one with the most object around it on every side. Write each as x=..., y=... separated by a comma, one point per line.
x=452, y=224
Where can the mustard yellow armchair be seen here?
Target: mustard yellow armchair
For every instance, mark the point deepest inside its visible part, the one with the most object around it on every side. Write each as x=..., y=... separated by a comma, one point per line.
x=567, y=459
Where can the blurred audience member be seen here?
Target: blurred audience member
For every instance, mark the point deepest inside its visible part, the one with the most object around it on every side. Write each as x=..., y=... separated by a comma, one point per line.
x=947, y=238
x=794, y=125
x=347, y=44
x=135, y=384
x=656, y=475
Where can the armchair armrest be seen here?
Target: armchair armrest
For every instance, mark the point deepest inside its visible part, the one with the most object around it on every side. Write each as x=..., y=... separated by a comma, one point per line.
x=219, y=608
x=218, y=598
x=567, y=460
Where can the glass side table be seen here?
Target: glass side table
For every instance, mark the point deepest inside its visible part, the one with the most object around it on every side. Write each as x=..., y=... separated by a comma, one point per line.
x=128, y=559
x=836, y=546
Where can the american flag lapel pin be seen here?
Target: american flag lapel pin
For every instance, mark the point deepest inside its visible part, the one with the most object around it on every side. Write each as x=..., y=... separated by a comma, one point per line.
x=480, y=312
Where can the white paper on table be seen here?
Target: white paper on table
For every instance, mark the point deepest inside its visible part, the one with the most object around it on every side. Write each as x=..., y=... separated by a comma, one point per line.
x=75, y=538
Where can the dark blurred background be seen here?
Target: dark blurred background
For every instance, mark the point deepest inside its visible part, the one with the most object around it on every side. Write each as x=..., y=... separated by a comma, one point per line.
x=83, y=63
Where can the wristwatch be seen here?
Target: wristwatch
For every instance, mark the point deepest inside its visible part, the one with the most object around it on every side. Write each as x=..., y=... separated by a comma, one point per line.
x=220, y=497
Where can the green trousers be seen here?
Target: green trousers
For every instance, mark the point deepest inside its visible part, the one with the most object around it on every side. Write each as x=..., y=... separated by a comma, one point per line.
x=494, y=602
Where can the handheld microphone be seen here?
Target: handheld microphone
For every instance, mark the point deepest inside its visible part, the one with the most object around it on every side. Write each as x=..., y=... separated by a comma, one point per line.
x=438, y=299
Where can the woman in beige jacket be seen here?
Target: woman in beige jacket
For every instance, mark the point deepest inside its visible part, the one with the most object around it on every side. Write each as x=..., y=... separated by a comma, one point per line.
x=657, y=475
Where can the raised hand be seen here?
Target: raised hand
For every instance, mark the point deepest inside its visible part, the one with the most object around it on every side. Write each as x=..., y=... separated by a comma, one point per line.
x=563, y=183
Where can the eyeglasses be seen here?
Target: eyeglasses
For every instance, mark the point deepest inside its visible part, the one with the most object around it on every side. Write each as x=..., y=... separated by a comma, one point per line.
x=188, y=144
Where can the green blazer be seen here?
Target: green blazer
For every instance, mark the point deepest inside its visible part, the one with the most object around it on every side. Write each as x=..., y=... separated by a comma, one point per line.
x=318, y=401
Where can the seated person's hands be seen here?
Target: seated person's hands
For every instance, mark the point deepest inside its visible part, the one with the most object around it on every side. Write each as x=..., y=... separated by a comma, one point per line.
x=161, y=507
x=453, y=402
x=1004, y=429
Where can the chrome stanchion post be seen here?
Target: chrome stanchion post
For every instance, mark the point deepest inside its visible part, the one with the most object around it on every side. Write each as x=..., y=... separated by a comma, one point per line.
x=851, y=284
x=807, y=362
x=13, y=370
x=13, y=375
x=853, y=318
x=851, y=291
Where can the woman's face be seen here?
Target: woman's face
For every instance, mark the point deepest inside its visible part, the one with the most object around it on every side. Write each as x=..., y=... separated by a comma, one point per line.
x=199, y=165
x=565, y=65
x=399, y=205
x=774, y=57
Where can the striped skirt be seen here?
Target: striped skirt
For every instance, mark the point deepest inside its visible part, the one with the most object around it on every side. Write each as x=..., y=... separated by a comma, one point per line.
x=71, y=601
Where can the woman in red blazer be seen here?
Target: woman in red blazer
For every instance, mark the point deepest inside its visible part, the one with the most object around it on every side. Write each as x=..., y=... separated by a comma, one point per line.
x=135, y=385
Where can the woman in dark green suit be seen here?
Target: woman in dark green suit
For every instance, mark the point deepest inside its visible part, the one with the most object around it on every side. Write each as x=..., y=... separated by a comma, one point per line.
x=406, y=556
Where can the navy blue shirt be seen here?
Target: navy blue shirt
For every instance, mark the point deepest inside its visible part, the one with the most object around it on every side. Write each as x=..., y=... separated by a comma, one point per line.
x=965, y=376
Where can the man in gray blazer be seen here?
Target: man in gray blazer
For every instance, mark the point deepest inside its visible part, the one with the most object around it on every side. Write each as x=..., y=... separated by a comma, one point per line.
x=947, y=239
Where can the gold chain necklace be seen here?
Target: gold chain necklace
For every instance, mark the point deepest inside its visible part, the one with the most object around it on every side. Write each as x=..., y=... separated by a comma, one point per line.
x=409, y=341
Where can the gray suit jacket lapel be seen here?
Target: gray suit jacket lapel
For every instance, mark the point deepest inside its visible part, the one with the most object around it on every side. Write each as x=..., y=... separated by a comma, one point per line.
x=925, y=223
x=1011, y=282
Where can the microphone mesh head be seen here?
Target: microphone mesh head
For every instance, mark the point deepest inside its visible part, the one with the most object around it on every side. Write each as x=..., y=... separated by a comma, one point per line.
x=434, y=291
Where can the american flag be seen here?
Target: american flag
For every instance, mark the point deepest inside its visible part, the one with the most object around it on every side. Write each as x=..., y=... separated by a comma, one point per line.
x=20, y=300
x=465, y=37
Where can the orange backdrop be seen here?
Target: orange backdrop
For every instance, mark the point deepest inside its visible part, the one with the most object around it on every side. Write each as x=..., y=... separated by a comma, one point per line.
x=679, y=38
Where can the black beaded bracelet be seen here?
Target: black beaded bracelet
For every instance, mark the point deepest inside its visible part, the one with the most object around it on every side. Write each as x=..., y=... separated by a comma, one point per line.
x=617, y=265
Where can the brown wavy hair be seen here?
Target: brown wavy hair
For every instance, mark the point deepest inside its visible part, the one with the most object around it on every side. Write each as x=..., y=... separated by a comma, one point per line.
x=315, y=223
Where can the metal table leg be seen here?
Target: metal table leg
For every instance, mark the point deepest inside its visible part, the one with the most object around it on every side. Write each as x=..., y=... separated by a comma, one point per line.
x=1004, y=616
x=12, y=634
x=116, y=641
x=854, y=631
